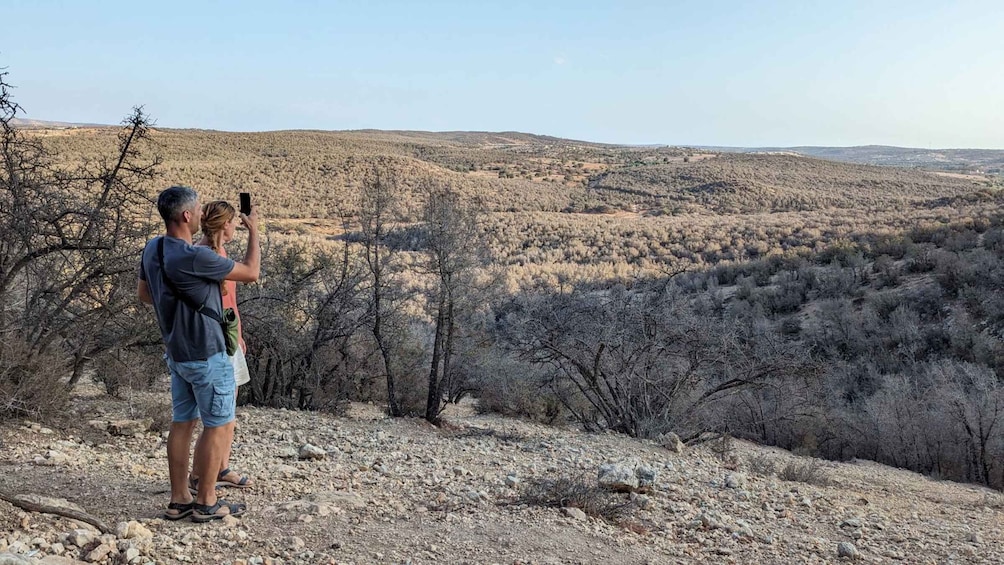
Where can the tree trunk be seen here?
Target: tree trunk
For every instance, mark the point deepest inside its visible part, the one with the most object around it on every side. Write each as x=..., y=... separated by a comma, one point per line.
x=392, y=405
x=433, y=400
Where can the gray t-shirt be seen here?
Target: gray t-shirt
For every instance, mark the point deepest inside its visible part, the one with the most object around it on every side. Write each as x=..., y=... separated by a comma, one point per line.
x=196, y=272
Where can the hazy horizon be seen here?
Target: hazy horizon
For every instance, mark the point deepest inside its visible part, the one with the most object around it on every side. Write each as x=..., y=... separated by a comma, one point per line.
x=600, y=142
x=724, y=74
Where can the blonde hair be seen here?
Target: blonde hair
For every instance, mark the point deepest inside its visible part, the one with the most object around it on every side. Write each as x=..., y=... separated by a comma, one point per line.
x=215, y=216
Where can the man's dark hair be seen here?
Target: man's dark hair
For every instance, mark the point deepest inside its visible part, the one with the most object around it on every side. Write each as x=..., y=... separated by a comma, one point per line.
x=175, y=200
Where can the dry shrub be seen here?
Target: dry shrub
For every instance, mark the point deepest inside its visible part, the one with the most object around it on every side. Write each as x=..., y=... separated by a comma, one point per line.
x=725, y=450
x=580, y=493
x=127, y=369
x=808, y=471
x=511, y=397
x=30, y=382
x=762, y=464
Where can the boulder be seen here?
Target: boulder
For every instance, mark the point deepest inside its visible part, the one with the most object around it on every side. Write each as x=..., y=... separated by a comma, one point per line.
x=620, y=478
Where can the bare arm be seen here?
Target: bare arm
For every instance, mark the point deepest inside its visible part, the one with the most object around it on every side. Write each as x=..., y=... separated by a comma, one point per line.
x=248, y=270
x=144, y=292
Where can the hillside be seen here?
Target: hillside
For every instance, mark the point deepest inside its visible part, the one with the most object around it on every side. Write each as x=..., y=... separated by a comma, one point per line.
x=562, y=208
x=753, y=183
x=400, y=491
x=979, y=161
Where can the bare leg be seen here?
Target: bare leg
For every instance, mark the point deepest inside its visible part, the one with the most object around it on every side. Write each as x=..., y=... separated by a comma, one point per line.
x=179, y=441
x=226, y=456
x=210, y=450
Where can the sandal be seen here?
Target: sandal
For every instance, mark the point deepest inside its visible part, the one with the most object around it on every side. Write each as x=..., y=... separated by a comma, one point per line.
x=193, y=486
x=204, y=513
x=181, y=510
x=243, y=482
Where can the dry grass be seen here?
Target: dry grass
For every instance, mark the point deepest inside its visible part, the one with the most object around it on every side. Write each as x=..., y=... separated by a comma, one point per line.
x=762, y=464
x=808, y=471
x=578, y=492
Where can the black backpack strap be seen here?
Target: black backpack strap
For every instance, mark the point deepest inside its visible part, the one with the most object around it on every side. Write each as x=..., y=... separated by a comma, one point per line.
x=200, y=308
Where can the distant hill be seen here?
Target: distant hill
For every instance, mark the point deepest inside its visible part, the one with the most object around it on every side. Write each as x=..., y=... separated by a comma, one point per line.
x=45, y=124
x=979, y=161
x=968, y=161
x=310, y=173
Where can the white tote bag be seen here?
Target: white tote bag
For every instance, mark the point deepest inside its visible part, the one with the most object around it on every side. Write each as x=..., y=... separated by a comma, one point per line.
x=241, y=372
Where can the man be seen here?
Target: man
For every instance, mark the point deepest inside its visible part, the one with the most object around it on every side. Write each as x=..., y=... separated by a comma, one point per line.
x=202, y=378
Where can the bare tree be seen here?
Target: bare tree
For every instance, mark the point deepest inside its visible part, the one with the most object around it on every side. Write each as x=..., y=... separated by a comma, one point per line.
x=68, y=241
x=379, y=208
x=455, y=251
x=311, y=303
x=644, y=362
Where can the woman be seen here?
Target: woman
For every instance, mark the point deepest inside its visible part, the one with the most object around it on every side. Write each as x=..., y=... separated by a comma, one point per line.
x=219, y=221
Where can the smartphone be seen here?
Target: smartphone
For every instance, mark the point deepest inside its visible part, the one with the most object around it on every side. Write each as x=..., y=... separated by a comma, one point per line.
x=245, y=203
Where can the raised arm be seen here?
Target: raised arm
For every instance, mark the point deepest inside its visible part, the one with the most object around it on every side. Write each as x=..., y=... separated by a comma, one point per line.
x=248, y=270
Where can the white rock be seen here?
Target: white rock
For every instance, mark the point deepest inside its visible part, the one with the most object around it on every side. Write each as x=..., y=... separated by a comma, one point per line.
x=619, y=478
x=80, y=538
x=132, y=530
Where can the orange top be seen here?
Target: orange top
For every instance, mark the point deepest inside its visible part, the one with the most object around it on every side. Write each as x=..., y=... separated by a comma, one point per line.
x=230, y=301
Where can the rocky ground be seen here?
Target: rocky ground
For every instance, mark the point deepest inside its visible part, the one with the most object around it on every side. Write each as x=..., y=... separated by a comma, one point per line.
x=401, y=491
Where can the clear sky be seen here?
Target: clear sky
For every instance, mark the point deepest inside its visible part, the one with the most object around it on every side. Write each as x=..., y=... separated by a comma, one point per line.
x=755, y=73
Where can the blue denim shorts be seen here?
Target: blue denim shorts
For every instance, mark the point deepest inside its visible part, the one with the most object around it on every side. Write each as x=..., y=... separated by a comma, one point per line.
x=203, y=389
